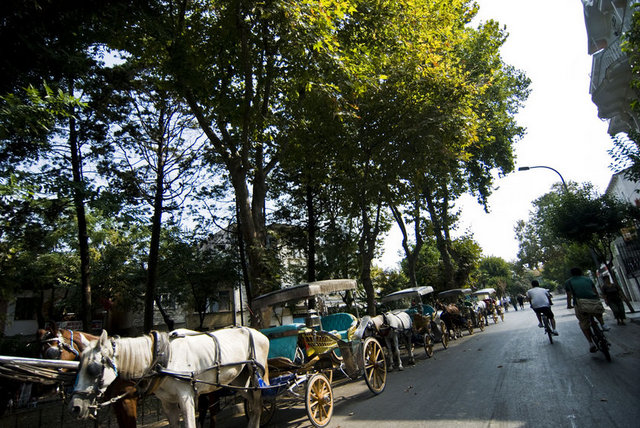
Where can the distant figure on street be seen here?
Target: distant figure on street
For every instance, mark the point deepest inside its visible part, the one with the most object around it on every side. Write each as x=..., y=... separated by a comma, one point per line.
x=582, y=293
x=613, y=298
x=514, y=302
x=541, y=304
x=521, y=301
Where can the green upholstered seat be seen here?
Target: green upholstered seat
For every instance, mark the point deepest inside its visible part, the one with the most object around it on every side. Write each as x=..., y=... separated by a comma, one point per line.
x=283, y=340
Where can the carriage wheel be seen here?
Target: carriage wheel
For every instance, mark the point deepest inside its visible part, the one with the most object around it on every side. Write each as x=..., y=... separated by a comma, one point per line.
x=319, y=400
x=495, y=317
x=445, y=335
x=470, y=327
x=428, y=344
x=375, y=365
x=502, y=316
x=268, y=410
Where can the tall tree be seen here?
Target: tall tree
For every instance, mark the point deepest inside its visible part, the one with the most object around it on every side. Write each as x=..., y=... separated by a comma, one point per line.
x=159, y=156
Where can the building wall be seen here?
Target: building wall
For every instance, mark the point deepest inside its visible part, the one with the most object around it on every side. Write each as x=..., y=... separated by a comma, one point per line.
x=628, y=277
x=26, y=324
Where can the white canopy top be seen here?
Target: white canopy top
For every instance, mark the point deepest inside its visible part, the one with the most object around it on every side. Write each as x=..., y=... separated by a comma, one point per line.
x=407, y=292
x=484, y=291
x=303, y=291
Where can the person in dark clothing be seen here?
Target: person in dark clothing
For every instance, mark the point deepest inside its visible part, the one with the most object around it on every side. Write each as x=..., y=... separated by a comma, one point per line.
x=613, y=298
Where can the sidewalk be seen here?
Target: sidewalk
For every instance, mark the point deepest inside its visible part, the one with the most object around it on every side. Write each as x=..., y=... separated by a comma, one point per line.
x=633, y=317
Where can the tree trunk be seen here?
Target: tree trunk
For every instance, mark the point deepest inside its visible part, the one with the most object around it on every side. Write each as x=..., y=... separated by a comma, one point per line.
x=154, y=245
x=311, y=236
x=83, y=235
x=366, y=246
x=441, y=241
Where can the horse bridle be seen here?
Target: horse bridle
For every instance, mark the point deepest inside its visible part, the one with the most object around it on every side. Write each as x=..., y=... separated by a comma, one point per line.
x=96, y=370
x=60, y=340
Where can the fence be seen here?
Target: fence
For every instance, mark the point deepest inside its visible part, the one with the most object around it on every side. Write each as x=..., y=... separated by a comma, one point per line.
x=55, y=413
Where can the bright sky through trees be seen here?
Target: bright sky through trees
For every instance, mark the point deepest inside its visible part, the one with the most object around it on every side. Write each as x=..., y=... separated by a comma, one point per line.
x=547, y=39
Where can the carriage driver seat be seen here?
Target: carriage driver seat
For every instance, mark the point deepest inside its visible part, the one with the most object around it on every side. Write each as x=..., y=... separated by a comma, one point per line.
x=343, y=324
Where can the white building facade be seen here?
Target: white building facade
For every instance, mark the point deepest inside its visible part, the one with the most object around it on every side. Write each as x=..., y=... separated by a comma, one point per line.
x=606, y=21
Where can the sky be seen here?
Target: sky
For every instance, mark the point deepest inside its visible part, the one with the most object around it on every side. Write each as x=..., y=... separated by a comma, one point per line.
x=548, y=41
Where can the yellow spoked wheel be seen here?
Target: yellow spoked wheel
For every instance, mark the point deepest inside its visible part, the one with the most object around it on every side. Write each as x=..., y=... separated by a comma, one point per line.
x=375, y=365
x=445, y=335
x=319, y=400
x=469, y=327
x=428, y=345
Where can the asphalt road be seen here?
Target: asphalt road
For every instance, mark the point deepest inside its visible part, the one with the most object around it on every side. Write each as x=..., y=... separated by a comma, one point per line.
x=507, y=376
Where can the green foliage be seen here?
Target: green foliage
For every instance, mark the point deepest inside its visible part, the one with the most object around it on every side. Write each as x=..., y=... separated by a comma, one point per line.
x=494, y=272
x=566, y=227
x=388, y=280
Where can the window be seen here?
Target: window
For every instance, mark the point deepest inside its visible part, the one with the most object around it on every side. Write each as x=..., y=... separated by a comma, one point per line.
x=25, y=309
x=220, y=302
x=167, y=301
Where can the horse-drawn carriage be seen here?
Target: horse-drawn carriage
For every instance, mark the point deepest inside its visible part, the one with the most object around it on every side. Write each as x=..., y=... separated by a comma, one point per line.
x=427, y=327
x=455, y=312
x=318, y=344
x=487, y=304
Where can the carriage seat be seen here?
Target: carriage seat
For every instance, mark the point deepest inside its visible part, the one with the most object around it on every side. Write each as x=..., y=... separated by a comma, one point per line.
x=342, y=324
x=426, y=310
x=283, y=340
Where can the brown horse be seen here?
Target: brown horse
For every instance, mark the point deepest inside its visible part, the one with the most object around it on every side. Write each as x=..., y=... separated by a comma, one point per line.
x=63, y=344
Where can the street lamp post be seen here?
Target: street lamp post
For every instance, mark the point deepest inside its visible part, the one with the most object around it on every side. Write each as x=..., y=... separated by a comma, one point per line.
x=527, y=168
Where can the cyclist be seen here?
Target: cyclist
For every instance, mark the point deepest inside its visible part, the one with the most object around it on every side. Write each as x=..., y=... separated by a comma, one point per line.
x=541, y=304
x=581, y=291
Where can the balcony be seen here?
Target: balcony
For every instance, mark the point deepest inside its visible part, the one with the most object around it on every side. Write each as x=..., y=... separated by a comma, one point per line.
x=602, y=61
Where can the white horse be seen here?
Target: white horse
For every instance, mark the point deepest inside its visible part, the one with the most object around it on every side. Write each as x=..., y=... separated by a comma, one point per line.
x=393, y=326
x=179, y=369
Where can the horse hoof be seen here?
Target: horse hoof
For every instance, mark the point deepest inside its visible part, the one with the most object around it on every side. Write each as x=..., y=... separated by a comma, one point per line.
x=401, y=368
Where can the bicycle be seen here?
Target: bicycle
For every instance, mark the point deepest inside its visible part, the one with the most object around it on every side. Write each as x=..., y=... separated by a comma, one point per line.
x=599, y=338
x=547, y=327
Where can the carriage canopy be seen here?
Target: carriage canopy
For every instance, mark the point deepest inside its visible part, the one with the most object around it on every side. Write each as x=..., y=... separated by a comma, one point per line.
x=484, y=291
x=303, y=291
x=455, y=292
x=407, y=292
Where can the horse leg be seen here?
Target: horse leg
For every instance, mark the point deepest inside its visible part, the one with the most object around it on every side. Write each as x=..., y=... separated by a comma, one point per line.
x=396, y=350
x=387, y=341
x=254, y=404
x=172, y=412
x=203, y=407
x=409, y=344
x=187, y=406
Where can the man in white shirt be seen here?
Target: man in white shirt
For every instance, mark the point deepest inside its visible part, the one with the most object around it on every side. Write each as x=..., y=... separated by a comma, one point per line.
x=541, y=304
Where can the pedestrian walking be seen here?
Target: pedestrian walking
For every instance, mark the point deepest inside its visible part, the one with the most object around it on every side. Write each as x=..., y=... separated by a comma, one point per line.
x=514, y=302
x=521, y=301
x=613, y=298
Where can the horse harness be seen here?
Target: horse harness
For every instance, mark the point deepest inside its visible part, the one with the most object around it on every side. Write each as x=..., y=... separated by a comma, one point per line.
x=385, y=321
x=192, y=376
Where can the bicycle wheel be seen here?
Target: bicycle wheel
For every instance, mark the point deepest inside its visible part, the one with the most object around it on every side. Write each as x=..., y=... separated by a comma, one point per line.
x=547, y=328
x=600, y=340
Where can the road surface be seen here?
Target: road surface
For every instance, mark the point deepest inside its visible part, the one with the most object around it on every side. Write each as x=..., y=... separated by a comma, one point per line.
x=507, y=376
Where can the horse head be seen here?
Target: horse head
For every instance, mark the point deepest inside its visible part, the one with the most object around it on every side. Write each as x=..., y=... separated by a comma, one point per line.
x=96, y=372
x=54, y=346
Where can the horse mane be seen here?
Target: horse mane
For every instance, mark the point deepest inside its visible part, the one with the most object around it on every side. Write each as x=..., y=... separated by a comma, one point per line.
x=133, y=355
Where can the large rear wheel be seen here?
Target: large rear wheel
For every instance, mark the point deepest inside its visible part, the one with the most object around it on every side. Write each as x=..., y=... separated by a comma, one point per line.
x=445, y=335
x=375, y=365
x=319, y=400
x=470, y=326
x=428, y=344
x=481, y=322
